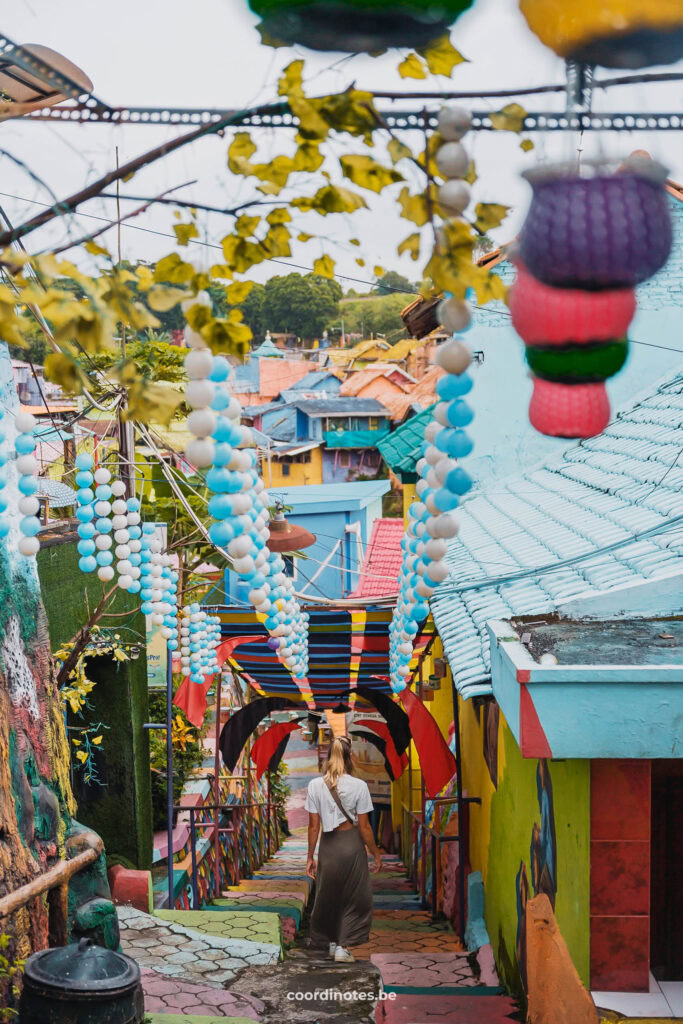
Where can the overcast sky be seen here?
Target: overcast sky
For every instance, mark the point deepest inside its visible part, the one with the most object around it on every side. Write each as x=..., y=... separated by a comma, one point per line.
x=169, y=52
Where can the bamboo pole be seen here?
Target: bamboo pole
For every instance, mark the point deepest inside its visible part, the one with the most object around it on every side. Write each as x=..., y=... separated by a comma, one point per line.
x=54, y=877
x=217, y=788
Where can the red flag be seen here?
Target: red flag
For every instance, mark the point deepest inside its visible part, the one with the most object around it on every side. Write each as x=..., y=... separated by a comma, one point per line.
x=191, y=697
x=436, y=760
x=398, y=764
x=266, y=745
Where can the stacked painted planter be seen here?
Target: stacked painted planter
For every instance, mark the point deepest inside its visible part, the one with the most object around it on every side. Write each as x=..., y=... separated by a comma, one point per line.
x=588, y=240
x=356, y=25
x=431, y=523
x=239, y=502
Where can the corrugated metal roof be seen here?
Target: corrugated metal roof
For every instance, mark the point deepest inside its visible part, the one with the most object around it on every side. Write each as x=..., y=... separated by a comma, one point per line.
x=59, y=495
x=382, y=561
x=516, y=550
x=341, y=407
x=402, y=448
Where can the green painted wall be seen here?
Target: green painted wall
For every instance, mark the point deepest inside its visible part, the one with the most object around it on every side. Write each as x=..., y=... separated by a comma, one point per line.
x=514, y=809
x=120, y=809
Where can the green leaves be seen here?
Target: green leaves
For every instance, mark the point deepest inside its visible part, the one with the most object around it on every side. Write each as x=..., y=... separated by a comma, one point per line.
x=489, y=215
x=324, y=266
x=330, y=199
x=368, y=173
x=441, y=56
x=184, y=232
x=410, y=245
x=413, y=208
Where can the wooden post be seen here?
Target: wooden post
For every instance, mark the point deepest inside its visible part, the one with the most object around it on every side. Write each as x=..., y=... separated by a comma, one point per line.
x=250, y=812
x=423, y=815
x=58, y=906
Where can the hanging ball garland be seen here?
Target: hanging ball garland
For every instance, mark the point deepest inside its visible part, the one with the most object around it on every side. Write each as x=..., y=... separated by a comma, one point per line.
x=356, y=26
x=574, y=297
x=28, y=509
x=453, y=197
x=431, y=524
x=24, y=445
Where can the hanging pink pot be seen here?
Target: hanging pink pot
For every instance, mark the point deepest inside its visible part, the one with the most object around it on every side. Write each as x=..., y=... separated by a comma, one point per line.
x=568, y=410
x=605, y=227
x=543, y=315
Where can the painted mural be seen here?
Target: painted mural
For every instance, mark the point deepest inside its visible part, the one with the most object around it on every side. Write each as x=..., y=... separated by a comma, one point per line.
x=36, y=801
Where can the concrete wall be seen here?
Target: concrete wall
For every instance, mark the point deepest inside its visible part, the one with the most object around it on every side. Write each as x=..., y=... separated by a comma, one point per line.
x=300, y=473
x=343, y=464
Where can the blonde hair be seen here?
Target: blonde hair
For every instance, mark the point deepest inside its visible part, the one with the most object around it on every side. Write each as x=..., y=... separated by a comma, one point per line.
x=339, y=760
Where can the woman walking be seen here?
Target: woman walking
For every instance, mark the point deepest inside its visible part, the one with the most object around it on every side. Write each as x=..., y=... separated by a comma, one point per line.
x=338, y=802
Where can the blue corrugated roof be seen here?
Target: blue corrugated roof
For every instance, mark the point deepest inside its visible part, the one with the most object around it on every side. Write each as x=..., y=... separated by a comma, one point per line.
x=58, y=494
x=331, y=497
x=510, y=557
x=313, y=379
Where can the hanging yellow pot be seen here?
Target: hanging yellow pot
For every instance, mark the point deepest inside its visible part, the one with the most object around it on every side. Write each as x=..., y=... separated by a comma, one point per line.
x=612, y=33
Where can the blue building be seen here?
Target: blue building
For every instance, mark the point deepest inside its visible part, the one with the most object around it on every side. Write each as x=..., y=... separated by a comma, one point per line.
x=341, y=517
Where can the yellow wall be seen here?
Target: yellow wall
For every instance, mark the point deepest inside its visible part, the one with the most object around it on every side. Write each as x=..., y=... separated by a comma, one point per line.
x=300, y=473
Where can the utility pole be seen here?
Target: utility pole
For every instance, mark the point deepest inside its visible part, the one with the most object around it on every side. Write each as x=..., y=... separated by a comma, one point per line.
x=125, y=428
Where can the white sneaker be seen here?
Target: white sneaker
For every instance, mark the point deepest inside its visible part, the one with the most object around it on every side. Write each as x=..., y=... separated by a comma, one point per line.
x=333, y=949
x=342, y=956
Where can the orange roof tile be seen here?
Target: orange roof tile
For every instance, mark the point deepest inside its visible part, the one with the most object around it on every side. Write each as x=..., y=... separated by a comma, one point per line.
x=382, y=561
x=356, y=381
x=276, y=375
x=423, y=392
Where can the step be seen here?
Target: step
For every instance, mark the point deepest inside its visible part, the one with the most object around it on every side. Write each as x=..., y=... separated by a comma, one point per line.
x=447, y=1009
x=407, y=941
x=182, y=1018
x=416, y=972
x=168, y=999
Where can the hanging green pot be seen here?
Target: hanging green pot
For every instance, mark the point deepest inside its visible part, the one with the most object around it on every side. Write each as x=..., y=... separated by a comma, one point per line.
x=355, y=26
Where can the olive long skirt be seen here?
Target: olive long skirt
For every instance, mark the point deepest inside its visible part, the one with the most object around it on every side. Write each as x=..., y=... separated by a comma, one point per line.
x=342, y=911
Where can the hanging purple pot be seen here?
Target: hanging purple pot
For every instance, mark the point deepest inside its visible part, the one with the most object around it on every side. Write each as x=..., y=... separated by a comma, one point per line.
x=604, y=227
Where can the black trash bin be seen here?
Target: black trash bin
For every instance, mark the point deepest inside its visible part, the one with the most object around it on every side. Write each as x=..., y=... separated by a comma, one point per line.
x=81, y=984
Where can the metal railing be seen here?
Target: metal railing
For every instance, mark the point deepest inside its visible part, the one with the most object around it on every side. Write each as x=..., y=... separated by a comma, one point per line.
x=54, y=882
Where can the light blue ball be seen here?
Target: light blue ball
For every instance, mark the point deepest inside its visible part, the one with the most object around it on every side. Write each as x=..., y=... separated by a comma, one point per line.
x=3, y=457
x=24, y=443
x=146, y=593
x=221, y=533
x=223, y=430
x=104, y=557
x=85, y=513
x=147, y=528
x=103, y=492
x=3, y=504
x=458, y=481
x=85, y=496
x=222, y=454
x=444, y=500
x=444, y=438
x=460, y=445
x=87, y=564
x=4, y=527
x=135, y=532
x=172, y=644
x=134, y=587
x=133, y=504
x=453, y=386
x=86, y=547
x=86, y=530
x=84, y=461
x=145, y=556
x=459, y=413
x=83, y=479
x=146, y=607
x=134, y=558
x=104, y=525
x=28, y=484
x=220, y=370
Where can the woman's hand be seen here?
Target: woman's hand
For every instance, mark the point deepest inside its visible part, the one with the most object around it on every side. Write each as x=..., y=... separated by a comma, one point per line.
x=311, y=867
x=377, y=863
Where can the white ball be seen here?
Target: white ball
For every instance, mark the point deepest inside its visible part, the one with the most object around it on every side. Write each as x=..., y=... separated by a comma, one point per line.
x=102, y=508
x=167, y=632
x=119, y=507
x=119, y=523
x=446, y=526
x=135, y=573
x=443, y=468
x=29, y=505
x=431, y=505
x=24, y=422
x=441, y=414
x=432, y=479
x=125, y=581
x=423, y=590
x=102, y=476
x=133, y=518
x=234, y=409
x=247, y=438
x=103, y=542
x=438, y=571
x=404, y=670
x=157, y=619
x=118, y=488
x=242, y=503
x=454, y=315
x=201, y=422
x=122, y=536
x=453, y=196
x=244, y=565
x=29, y=546
x=431, y=430
x=194, y=339
x=240, y=546
x=27, y=464
x=433, y=455
x=453, y=356
x=454, y=122
x=105, y=573
x=184, y=652
x=156, y=570
x=134, y=545
x=124, y=567
x=199, y=363
x=436, y=549
x=200, y=393
x=200, y=452
x=452, y=160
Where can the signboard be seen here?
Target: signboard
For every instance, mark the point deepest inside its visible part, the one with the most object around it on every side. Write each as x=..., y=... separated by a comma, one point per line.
x=368, y=761
x=157, y=651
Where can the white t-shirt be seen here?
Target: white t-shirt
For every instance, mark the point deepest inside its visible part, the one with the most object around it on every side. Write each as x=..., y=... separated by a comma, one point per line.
x=353, y=793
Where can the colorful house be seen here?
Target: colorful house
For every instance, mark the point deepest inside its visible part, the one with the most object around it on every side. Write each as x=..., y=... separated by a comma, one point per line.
x=560, y=626
x=381, y=381
x=350, y=428
x=341, y=516
x=382, y=562
x=294, y=464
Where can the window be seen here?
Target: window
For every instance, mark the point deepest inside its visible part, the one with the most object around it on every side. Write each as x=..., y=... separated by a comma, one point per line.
x=285, y=469
x=290, y=566
x=373, y=423
x=345, y=459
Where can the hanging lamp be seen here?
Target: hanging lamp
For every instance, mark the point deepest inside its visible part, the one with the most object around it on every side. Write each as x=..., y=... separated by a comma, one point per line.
x=285, y=536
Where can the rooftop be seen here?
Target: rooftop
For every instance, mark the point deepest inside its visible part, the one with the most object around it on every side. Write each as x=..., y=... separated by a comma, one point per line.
x=58, y=495
x=277, y=376
x=418, y=397
x=608, y=515
x=356, y=381
x=313, y=379
x=350, y=406
x=382, y=560
x=331, y=497
x=403, y=447
x=267, y=348
x=617, y=642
